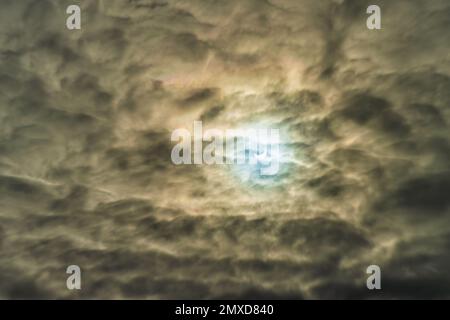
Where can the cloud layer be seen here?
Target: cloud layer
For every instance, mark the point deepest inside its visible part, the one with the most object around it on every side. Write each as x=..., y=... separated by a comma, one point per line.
x=86, y=176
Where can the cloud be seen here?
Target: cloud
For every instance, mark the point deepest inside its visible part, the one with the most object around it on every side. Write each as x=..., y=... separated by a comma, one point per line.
x=86, y=176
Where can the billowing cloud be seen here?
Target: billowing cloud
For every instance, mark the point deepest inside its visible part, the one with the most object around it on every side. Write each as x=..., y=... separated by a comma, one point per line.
x=86, y=176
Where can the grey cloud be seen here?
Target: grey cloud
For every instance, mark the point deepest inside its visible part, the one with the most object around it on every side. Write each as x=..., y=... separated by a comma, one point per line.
x=86, y=176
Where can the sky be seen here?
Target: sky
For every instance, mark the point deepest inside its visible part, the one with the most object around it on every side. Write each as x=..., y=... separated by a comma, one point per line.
x=86, y=176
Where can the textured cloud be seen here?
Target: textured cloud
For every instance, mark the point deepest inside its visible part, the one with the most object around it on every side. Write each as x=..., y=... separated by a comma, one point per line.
x=86, y=176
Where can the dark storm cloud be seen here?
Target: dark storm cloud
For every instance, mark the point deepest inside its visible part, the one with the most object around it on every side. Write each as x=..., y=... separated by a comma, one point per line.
x=373, y=112
x=86, y=176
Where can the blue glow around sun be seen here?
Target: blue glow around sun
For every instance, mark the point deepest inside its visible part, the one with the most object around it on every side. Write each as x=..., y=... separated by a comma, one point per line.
x=251, y=173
